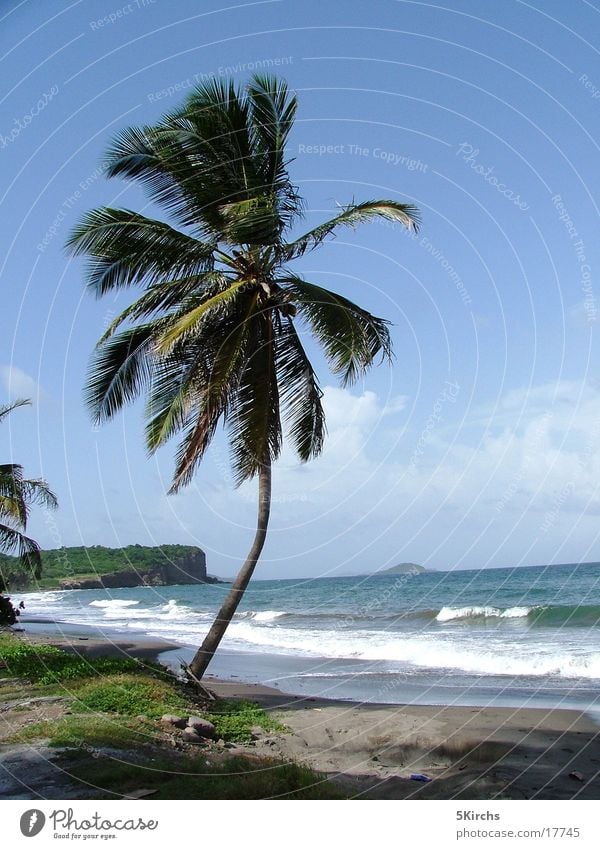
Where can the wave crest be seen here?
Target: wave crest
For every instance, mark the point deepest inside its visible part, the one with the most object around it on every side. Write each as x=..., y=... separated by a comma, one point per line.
x=447, y=614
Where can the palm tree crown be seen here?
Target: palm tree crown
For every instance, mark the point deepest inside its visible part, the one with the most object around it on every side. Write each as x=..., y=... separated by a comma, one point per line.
x=17, y=495
x=212, y=338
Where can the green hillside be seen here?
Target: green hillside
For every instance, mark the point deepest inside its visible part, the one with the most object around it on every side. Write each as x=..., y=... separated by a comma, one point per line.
x=89, y=562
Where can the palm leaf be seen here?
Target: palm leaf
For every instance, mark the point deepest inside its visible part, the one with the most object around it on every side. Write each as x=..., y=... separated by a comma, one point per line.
x=127, y=249
x=120, y=369
x=26, y=548
x=185, y=325
x=166, y=295
x=37, y=491
x=222, y=356
x=254, y=422
x=149, y=156
x=13, y=505
x=300, y=393
x=272, y=117
x=351, y=216
x=5, y=409
x=351, y=337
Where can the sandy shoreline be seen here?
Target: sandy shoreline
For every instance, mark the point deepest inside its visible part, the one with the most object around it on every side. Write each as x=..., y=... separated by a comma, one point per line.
x=372, y=749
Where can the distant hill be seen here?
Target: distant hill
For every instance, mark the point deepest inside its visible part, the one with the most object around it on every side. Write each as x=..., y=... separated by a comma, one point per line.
x=402, y=569
x=399, y=569
x=89, y=567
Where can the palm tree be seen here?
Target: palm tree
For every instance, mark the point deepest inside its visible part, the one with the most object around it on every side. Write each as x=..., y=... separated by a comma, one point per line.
x=212, y=339
x=17, y=495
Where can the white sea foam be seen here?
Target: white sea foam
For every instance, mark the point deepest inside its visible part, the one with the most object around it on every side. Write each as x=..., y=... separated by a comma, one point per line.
x=516, y=612
x=173, y=610
x=447, y=614
x=263, y=615
x=123, y=614
x=43, y=598
x=113, y=602
x=507, y=658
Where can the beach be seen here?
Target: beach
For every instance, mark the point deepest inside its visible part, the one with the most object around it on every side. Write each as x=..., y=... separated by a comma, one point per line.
x=370, y=750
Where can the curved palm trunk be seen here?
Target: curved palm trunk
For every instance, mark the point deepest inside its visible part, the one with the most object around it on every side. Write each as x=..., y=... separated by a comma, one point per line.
x=211, y=642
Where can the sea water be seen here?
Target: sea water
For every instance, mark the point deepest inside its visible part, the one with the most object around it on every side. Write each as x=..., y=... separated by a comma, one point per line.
x=494, y=636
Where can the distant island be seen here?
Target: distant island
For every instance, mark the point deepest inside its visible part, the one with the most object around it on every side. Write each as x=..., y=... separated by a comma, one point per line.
x=402, y=569
x=399, y=569
x=94, y=567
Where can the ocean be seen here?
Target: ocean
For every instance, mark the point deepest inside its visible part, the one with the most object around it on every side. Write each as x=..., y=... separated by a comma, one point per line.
x=523, y=636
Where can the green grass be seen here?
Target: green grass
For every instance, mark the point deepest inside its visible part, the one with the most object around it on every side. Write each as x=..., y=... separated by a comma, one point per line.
x=88, y=732
x=43, y=664
x=131, y=695
x=233, y=720
x=194, y=778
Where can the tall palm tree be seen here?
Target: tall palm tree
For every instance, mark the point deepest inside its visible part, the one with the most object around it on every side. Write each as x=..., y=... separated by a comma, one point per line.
x=213, y=338
x=17, y=495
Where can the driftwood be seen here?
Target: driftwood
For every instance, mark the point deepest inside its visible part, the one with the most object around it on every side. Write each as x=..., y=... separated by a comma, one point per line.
x=202, y=691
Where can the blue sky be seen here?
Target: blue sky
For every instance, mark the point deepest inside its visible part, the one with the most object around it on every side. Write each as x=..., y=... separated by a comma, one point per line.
x=481, y=445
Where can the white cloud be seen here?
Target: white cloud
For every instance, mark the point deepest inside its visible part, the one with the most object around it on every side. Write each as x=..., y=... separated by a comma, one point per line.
x=18, y=384
x=395, y=405
x=522, y=486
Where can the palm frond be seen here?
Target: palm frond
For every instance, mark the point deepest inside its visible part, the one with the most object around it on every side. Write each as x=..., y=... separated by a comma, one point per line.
x=37, y=491
x=150, y=156
x=13, y=505
x=14, y=509
x=351, y=337
x=272, y=113
x=5, y=409
x=222, y=355
x=120, y=369
x=186, y=324
x=170, y=400
x=351, y=216
x=166, y=295
x=300, y=393
x=254, y=423
x=126, y=249
x=26, y=549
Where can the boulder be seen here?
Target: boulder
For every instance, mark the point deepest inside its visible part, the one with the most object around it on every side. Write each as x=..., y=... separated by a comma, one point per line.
x=172, y=719
x=190, y=735
x=202, y=726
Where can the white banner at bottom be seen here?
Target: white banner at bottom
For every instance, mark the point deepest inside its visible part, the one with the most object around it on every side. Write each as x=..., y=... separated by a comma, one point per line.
x=290, y=824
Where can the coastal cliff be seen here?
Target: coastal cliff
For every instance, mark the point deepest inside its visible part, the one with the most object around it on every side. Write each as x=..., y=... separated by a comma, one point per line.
x=95, y=567
x=189, y=569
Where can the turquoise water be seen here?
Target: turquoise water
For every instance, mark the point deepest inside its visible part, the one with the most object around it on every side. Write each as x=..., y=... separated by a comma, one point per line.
x=510, y=635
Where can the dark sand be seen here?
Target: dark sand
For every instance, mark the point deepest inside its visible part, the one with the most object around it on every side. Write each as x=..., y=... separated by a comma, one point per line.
x=370, y=750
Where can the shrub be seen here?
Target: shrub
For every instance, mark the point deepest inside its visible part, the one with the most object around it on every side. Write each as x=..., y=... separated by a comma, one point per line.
x=8, y=612
x=129, y=696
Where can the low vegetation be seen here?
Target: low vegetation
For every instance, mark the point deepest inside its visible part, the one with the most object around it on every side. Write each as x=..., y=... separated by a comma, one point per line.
x=234, y=720
x=115, y=704
x=195, y=778
x=43, y=664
